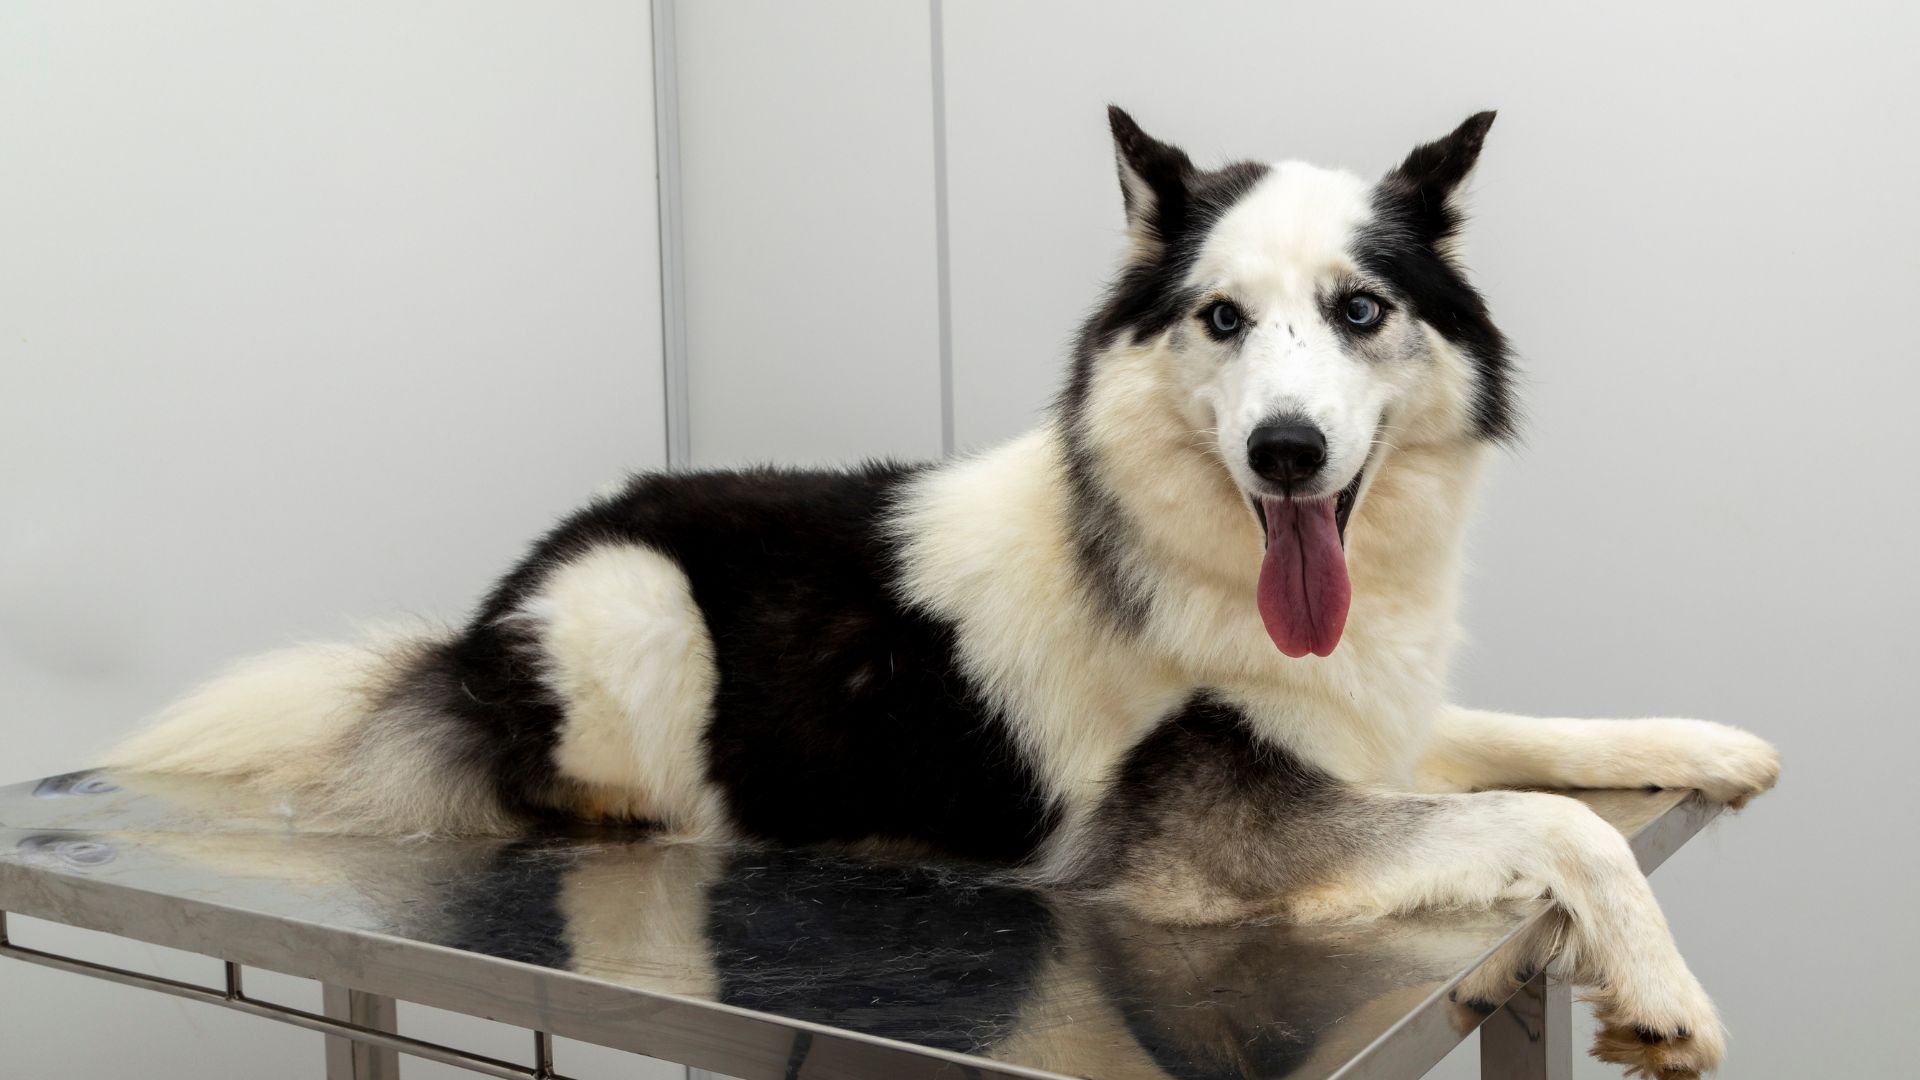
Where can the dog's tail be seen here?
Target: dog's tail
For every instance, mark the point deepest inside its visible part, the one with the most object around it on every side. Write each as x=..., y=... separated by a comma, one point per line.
x=347, y=738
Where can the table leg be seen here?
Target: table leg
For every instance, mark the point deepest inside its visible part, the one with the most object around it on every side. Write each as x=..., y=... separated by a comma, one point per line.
x=350, y=1060
x=1531, y=1036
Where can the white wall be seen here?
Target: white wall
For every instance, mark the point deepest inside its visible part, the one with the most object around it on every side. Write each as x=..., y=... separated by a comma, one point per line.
x=307, y=314
x=806, y=164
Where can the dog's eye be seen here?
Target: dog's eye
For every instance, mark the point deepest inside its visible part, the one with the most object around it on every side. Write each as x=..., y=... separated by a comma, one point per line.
x=1363, y=310
x=1223, y=319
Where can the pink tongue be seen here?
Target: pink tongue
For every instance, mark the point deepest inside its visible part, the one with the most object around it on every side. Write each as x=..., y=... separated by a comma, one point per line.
x=1303, y=579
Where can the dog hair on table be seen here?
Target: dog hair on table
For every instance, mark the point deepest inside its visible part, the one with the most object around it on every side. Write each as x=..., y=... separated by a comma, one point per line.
x=1184, y=645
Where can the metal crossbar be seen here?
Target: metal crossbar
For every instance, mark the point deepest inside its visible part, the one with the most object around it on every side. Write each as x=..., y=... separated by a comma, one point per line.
x=233, y=996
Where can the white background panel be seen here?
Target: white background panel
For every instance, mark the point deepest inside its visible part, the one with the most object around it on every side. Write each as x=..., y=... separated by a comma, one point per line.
x=806, y=143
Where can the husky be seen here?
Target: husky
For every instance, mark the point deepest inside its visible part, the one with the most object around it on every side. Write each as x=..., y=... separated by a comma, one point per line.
x=1184, y=646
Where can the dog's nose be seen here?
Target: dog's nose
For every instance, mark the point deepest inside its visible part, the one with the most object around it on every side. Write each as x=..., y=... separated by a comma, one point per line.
x=1286, y=453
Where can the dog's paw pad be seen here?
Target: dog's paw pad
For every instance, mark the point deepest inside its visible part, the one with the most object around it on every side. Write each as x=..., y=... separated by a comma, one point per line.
x=1651, y=1054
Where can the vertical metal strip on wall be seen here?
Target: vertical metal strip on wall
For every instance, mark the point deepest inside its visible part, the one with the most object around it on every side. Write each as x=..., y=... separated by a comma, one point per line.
x=943, y=264
x=673, y=312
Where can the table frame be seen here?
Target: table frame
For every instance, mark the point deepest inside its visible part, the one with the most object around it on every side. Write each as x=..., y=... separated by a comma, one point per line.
x=1527, y=1038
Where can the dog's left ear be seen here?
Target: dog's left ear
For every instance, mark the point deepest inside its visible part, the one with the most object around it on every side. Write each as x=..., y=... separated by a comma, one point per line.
x=1154, y=181
x=1428, y=183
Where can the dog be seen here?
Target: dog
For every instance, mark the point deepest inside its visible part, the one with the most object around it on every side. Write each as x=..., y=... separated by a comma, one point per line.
x=1185, y=645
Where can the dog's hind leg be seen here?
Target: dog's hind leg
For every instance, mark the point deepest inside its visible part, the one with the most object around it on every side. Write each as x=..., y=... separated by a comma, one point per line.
x=626, y=653
x=1206, y=822
x=1474, y=750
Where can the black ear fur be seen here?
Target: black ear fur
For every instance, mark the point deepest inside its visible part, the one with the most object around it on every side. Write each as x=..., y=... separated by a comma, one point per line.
x=1410, y=243
x=1431, y=175
x=1155, y=180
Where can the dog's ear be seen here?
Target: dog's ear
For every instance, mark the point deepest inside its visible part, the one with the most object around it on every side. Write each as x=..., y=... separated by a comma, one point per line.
x=1154, y=179
x=1428, y=183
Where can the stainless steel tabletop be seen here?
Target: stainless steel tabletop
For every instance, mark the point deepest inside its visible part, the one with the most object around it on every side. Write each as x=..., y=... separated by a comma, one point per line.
x=753, y=962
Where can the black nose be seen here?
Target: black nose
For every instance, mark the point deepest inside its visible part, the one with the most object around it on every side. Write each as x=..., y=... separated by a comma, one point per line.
x=1286, y=453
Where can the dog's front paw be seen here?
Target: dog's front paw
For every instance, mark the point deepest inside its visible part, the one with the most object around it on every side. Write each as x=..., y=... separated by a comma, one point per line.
x=1725, y=763
x=1672, y=1040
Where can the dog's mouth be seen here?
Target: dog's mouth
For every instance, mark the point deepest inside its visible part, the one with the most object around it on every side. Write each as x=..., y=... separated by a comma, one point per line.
x=1304, y=592
x=1342, y=503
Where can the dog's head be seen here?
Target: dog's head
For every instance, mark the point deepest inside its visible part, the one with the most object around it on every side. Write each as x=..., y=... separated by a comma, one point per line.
x=1298, y=320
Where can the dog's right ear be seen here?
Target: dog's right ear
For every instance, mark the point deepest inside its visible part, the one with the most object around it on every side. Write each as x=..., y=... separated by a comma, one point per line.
x=1427, y=184
x=1154, y=179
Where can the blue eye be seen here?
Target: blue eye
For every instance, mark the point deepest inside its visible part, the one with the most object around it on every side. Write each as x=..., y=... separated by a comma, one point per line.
x=1363, y=310
x=1223, y=319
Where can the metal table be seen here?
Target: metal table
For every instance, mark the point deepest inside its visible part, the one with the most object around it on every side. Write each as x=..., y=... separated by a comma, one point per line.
x=754, y=963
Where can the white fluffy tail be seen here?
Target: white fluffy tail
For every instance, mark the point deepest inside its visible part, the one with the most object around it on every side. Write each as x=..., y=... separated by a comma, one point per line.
x=333, y=736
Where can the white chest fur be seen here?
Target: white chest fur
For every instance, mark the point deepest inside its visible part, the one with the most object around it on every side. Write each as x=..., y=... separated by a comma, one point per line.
x=987, y=546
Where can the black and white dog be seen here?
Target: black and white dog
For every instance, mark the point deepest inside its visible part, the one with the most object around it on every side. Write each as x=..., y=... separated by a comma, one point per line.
x=1186, y=644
